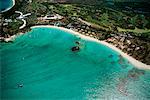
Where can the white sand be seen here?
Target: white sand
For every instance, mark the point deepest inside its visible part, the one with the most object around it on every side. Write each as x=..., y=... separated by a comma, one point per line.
x=133, y=61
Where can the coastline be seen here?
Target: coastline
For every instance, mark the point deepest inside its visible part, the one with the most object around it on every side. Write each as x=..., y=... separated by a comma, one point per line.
x=133, y=61
x=13, y=3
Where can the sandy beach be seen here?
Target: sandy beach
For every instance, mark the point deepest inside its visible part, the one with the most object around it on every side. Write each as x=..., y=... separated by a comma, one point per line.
x=133, y=61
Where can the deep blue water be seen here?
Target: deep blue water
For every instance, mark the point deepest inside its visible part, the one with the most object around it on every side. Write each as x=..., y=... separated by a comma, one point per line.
x=5, y=4
x=41, y=65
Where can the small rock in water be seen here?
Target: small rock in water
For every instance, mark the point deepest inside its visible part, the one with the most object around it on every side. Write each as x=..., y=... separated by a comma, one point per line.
x=77, y=42
x=75, y=48
x=110, y=56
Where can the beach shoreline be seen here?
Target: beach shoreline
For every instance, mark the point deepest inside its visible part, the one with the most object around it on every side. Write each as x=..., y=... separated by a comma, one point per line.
x=133, y=61
x=13, y=3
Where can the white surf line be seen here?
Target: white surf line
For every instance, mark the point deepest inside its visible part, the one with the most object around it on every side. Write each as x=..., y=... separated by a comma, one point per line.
x=9, y=7
x=133, y=61
x=10, y=38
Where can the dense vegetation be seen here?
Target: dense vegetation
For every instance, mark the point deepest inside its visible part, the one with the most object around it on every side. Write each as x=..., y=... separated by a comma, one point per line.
x=106, y=17
x=97, y=14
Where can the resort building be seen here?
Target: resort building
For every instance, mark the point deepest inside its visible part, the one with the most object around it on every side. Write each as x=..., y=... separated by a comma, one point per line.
x=51, y=17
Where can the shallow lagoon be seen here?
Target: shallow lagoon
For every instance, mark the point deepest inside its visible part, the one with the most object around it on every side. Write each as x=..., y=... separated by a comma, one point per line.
x=43, y=63
x=5, y=5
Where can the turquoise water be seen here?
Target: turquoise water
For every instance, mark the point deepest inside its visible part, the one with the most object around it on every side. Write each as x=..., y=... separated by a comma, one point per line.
x=41, y=65
x=5, y=4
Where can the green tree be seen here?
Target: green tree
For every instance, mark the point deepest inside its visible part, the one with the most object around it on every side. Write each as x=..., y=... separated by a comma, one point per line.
x=133, y=20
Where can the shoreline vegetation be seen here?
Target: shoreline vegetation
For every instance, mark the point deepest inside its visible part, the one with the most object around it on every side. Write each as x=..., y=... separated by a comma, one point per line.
x=126, y=30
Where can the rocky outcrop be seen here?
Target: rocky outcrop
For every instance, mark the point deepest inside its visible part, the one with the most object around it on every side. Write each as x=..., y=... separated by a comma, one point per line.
x=75, y=48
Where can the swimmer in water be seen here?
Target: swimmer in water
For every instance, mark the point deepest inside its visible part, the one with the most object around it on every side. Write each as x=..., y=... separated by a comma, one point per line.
x=20, y=85
x=23, y=58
